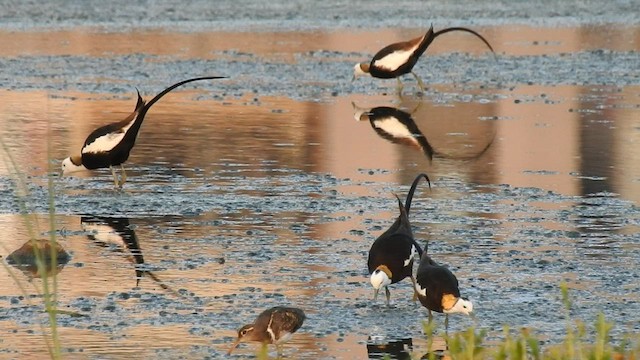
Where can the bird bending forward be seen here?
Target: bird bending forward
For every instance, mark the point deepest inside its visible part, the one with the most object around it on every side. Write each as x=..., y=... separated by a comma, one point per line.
x=392, y=254
x=272, y=326
x=398, y=59
x=437, y=289
x=110, y=145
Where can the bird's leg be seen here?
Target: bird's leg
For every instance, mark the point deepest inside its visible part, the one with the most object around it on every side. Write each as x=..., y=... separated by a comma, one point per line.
x=430, y=317
x=399, y=86
x=115, y=176
x=420, y=83
x=388, y=293
x=415, y=291
x=124, y=175
x=278, y=351
x=446, y=323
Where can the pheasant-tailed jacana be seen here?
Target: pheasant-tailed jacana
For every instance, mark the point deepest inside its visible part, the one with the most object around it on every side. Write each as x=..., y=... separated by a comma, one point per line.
x=110, y=145
x=392, y=253
x=399, y=58
x=437, y=289
x=272, y=326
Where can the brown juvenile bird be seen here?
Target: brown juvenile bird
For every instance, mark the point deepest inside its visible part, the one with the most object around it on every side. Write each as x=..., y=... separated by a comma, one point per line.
x=110, y=145
x=399, y=58
x=272, y=326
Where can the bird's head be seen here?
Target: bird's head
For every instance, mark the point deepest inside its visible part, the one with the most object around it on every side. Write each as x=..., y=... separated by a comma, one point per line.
x=360, y=69
x=72, y=164
x=244, y=333
x=380, y=278
x=462, y=306
x=360, y=114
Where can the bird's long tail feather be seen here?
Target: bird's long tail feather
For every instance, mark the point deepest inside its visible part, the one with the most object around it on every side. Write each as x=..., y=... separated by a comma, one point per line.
x=444, y=31
x=412, y=190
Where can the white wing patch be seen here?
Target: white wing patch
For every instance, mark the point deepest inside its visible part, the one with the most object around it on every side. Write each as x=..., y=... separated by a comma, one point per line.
x=395, y=128
x=394, y=60
x=108, y=141
x=422, y=291
x=103, y=233
x=411, y=256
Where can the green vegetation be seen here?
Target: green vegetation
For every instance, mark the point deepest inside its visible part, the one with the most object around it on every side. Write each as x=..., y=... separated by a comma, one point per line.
x=576, y=345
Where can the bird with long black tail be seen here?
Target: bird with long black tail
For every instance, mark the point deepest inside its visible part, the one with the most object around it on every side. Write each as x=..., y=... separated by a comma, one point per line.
x=392, y=254
x=437, y=289
x=272, y=326
x=399, y=58
x=110, y=145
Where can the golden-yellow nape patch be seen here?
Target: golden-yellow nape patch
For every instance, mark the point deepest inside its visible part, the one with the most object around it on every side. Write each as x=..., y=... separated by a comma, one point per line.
x=385, y=270
x=448, y=301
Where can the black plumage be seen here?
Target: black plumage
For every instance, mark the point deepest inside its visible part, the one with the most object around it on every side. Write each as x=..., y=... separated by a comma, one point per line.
x=272, y=326
x=392, y=254
x=110, y=145
x=438, y=290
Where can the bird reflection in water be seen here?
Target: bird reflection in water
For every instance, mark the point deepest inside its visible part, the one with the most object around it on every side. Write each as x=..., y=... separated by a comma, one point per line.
x=382, y=348
x=116, y=233
x=399, y=127
x=26, y=258
x=394, y=125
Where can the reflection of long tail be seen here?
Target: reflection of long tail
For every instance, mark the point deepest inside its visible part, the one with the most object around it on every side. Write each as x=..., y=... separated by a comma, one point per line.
x=166, y=287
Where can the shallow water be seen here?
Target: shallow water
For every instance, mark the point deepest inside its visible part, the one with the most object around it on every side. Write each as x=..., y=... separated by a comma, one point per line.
x=263, y=189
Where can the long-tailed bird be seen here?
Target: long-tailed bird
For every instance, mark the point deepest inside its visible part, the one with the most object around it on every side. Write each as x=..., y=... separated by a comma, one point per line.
x=399, y=58
x=438, y=291
x=392, y=253
x=110, y=145
x=272, y=326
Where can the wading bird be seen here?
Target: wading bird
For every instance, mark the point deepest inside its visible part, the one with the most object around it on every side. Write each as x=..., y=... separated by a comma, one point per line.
x=399, y=58
x=110, y=145
x=438, y=291
x=392, y=253
x=272, y=326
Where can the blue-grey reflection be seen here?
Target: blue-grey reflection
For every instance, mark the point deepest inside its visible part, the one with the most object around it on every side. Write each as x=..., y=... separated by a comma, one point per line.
x=394, y=125
x=382, y=348
x=52, y=254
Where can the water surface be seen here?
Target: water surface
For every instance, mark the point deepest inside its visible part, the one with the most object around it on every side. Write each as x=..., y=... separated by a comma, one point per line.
x=264, y=189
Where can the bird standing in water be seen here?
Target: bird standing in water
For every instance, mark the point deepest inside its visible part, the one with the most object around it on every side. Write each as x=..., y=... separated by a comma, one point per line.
x=272, y=326
x=392, y=253
x=437, y=289
x=399, y=58
x=110, y=145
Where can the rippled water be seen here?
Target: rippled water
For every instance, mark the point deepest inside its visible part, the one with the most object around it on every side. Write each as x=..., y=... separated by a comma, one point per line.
x=268, y=189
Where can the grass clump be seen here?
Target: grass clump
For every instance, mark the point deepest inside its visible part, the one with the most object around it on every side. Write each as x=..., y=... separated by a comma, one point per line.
x=576, y=345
